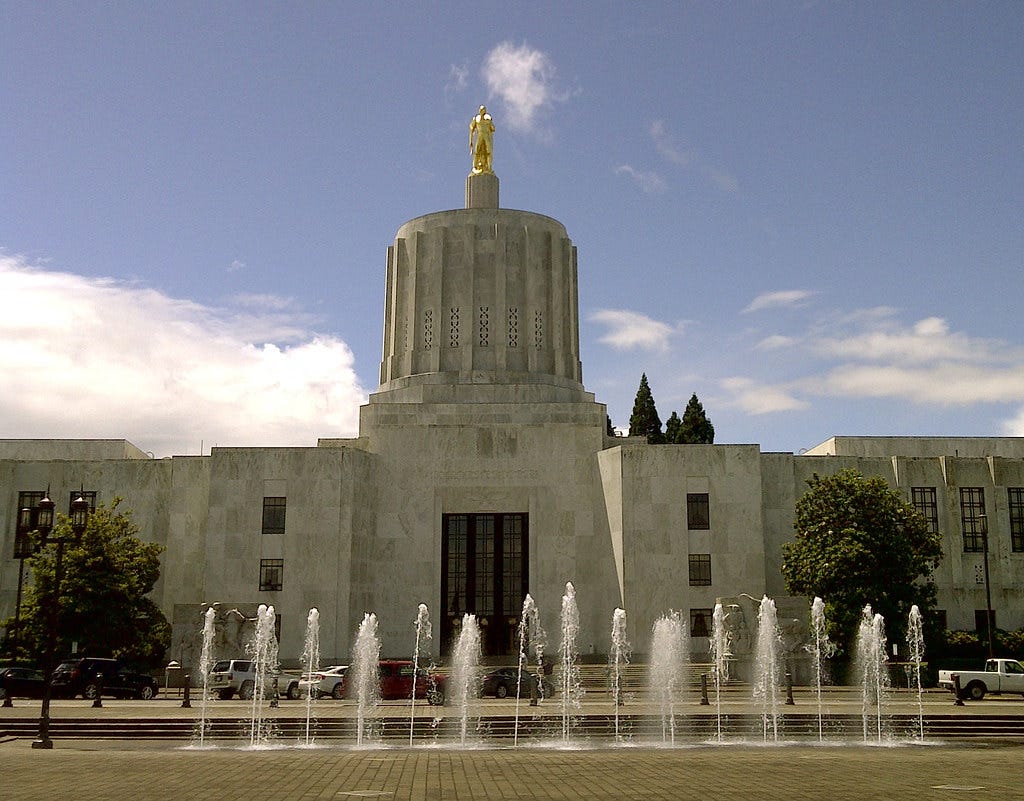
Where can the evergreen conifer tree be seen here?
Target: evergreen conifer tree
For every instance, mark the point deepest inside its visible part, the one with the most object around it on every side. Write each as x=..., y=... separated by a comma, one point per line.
x=672, y=428
x=644, y=422
x=696, y=429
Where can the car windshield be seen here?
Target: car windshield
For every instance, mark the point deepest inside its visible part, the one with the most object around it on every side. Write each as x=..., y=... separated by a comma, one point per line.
x=222, y=666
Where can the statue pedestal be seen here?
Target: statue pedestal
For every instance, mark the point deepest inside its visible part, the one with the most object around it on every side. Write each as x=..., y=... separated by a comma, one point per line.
x=482, y=191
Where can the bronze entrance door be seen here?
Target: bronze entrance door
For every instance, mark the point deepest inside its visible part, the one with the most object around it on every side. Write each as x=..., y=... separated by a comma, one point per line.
x=484, y=572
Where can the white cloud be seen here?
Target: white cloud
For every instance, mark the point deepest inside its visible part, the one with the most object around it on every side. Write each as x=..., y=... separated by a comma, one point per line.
x=664, y=144
x=755, y=398
x=774, y=300
x=524, y=80
x=679, y=154
x=458, y=78
x=775, y=342
x=96, y=357
x=944, y=384
x=236, y=265
x=649, y=182
x=628, y=330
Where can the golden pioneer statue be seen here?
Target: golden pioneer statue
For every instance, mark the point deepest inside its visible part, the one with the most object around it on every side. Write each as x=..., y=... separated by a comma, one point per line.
x=481, y=142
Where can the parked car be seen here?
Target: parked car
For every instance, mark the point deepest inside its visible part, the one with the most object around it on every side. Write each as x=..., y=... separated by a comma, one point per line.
x=999, y=676
x=395, y=677
x=231, y=677
x=82, y=677
x=21, y=682
x=327, y=681
x=504, y=681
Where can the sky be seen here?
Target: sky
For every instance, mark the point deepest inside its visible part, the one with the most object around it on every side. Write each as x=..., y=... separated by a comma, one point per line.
x=807, y=213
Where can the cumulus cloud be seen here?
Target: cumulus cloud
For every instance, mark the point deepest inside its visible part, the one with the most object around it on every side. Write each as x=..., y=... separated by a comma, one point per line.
x=523, y=79
x=628, y=330
x=649, y=182
x=774, y=300
x=756, y=398
x=110, y=359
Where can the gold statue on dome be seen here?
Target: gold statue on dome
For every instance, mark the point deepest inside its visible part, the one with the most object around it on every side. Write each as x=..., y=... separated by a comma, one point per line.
x=481, y=142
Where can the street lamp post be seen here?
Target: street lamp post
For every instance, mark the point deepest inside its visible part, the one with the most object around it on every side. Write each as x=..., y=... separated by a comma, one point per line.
x=44, y=529
x=988, y=592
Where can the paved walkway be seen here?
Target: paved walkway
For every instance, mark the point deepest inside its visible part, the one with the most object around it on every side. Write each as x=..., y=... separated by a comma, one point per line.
x=95, y=771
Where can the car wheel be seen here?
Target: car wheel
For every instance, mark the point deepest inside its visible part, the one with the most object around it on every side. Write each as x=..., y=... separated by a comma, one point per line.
x=3, y=691
x=147, y=693
x=91, y=690
x=975, y=690
x=338, y=691
x=225, y=695
x=500, y=691
x=245, y=692
x=435, y=697
x=293, y=691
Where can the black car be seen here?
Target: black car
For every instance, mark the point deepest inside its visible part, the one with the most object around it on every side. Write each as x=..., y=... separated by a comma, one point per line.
x=504, y=681
x=82, y=677
x=21, y=682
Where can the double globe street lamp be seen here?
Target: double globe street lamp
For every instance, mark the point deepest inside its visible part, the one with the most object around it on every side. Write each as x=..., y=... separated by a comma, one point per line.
x=44, y=527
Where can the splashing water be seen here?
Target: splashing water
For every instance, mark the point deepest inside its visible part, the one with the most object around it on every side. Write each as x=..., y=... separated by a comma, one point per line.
x=668, y=655
x=365, y=673
x=871, y=666
x=466, y=671
x=915, y=642
x=263, y=650
x=311, y=662
x=719, y=655
x=766, y=686
x=619, y=657
x=530, y=634
x=571, y=686
x=205, y=666
x=423, y=634
x=823, y=649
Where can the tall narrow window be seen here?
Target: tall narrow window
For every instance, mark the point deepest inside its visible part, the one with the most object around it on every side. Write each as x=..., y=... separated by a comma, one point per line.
x=926, y=502
x=700, y=570
x=698, y=511
x=700, y=622
x=271, y=575
x=1016, y=504
x=273, y=515
x=972, y=522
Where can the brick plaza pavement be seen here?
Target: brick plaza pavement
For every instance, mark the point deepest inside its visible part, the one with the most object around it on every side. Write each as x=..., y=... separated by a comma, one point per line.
x=99, y=770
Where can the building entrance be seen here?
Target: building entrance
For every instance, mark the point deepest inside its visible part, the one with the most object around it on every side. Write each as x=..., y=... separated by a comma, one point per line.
x=484, y=572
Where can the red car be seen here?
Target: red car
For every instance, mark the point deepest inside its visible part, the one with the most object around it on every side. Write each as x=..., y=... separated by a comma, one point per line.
x=395, y=678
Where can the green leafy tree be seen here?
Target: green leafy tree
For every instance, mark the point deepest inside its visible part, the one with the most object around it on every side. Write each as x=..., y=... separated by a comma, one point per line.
x=104, y=606
x=672, y=428
x=857, y=543
x=696, y=429
x=644, y=421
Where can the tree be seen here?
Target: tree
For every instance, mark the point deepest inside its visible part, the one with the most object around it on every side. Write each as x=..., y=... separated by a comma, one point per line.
x=857, y=543
x=104, y=606
x=609, y=428
x=644, y=422
x=672, y=426
x=696, y=429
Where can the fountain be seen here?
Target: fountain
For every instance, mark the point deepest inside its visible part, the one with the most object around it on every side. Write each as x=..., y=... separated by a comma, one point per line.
x=669, y=652
x=570, y=685
x=822, y=649
x=871, y=666
x=915, y=641
x=311, y=662
x=766, y=677
x=205, y=666
x=263, y=650
x=719, y=654
x=423, y=633
x=619, y=658
x=365, y=673
x=466, y=671
x=530, y=634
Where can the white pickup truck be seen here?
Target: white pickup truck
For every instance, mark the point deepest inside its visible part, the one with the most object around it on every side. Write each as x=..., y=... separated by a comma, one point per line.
x=999, y=676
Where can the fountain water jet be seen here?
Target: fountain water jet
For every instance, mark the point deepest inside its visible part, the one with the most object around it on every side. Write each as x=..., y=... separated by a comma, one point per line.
x=366, y=673
x=669, y=651
x=263, y=650
x=571, y=686
x=619, y=657
x=915, y=641
x=466, y=671
x=766, y=680
x=823, y=649
x=719, y=655
x=205, y=666
x=423, y=633
x=871, y=665
x=530, y=634
x=311, y=662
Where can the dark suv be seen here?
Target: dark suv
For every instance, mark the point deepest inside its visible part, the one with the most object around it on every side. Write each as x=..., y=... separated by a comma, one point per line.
x=81, y=677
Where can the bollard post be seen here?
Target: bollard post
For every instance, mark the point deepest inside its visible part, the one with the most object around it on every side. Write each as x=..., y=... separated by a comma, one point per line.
x=274, y=701
x=789, y=689
x=7, y=692
x=97, y=702
x=704, y=690
x=187, y=700
x=958, y=699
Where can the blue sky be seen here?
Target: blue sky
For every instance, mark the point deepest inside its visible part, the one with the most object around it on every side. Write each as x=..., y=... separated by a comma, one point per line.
x=810, y=214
